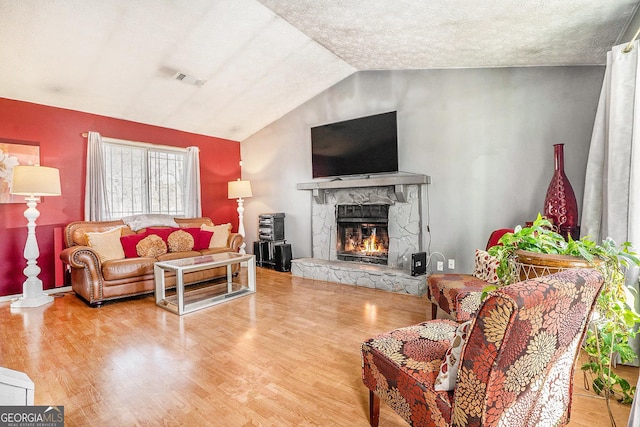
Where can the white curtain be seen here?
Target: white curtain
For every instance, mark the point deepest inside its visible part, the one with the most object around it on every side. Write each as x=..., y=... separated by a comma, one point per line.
x=611, y=205
x=192, y=203
x=634, y=416
x=96, y=205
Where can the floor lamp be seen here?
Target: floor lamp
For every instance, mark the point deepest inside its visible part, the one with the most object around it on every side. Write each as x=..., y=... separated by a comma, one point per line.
x=240, y=190
x=33, y=182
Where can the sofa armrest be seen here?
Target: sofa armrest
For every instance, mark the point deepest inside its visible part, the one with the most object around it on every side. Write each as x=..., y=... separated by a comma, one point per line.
x=235, y=241
x=81, y=257
x=87, y=262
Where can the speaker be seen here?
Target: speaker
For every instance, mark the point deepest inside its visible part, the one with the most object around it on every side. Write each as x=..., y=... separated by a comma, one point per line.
x=418, y=263
x=283, y=257
x=261, y=251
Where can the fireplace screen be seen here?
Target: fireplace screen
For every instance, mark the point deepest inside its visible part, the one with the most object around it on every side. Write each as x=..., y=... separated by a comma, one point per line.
x=363, y=234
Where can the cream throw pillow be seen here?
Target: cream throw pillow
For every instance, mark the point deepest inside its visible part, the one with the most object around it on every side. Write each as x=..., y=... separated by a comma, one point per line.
x=486, y=267
x=448, y=375
x=220, y=234
x=107, y=244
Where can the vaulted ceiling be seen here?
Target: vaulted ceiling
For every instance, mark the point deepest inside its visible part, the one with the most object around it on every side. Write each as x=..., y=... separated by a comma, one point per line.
x=249, y=62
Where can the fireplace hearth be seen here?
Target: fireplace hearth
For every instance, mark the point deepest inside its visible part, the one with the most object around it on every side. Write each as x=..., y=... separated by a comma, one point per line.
x=363, y=234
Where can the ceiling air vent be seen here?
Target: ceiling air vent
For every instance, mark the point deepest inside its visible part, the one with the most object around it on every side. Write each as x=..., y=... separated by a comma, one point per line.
x=185, y=78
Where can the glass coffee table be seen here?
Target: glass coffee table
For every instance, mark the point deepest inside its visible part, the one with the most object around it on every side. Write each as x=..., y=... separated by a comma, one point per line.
x=205, y=294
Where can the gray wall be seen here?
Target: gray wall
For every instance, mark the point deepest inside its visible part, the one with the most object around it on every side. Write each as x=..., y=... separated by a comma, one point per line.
x=632, y=29
x=485, y=137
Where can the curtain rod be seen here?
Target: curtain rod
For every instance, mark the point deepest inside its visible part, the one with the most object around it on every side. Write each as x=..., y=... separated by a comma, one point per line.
x=140, y=144
x=630, y=45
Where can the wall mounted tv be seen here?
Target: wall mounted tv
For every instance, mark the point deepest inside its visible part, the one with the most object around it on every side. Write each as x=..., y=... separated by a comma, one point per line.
x=362, y=146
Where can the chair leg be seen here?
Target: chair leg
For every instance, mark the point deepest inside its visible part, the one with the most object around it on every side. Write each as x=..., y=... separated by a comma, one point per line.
x=434, y=306
x=374, y=409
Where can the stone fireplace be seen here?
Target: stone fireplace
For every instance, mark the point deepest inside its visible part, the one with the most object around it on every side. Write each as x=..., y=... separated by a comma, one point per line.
x=403, y=226
x=364, y=232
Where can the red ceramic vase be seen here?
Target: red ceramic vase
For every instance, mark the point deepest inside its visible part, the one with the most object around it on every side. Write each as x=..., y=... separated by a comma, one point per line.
x=560, y=204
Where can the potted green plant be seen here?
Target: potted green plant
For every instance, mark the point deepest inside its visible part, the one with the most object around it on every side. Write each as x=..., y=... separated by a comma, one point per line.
x=613, y=325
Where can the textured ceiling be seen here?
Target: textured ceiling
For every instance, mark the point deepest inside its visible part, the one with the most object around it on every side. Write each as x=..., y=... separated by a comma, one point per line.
x=261, y=59
x=405, y=34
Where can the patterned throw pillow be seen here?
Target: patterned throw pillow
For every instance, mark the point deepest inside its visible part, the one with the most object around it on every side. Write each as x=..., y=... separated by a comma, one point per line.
x=486, y=267
x=106, y=244
x=151, y=246
x=180, y=241
x=448, y=375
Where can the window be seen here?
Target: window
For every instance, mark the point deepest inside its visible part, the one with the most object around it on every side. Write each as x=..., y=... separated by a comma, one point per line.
x=144, y=178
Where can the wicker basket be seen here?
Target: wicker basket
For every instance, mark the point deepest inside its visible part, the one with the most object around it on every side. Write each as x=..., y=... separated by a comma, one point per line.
x=529, y=265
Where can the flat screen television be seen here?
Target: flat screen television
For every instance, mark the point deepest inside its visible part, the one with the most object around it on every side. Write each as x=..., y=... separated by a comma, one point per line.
x=362, y=146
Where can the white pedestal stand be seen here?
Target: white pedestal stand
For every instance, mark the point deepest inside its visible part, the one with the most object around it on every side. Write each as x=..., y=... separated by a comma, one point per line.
x=32, y=292
x=240, y=209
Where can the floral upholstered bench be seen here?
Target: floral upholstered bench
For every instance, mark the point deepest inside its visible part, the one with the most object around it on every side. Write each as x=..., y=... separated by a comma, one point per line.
x=458, y=295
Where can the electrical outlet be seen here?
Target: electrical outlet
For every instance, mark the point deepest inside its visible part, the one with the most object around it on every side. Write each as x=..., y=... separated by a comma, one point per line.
x=452, y=264
x=440, y=266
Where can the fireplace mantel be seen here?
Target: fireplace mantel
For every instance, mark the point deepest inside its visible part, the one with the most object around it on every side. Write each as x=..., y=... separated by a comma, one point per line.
x=398, y=180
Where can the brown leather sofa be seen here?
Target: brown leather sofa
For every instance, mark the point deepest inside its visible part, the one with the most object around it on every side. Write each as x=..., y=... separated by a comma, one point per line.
x=95, y=281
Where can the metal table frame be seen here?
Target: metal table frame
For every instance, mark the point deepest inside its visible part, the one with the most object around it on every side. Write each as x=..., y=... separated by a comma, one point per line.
x=177, y=303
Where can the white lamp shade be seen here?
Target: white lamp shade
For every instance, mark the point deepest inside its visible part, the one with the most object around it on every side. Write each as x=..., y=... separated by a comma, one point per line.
x=35, y=181
x=239, y=189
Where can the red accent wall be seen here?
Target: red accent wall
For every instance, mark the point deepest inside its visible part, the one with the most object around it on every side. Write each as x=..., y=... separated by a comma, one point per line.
x=62, y=146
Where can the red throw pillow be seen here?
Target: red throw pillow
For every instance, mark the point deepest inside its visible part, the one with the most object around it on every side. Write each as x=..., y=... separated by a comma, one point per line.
x=129, y=244
x=205, y=239
x=201, y=238
x=162, y=232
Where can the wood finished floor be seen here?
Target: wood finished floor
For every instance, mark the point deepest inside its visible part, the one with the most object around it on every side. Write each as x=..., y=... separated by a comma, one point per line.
x=288, y=355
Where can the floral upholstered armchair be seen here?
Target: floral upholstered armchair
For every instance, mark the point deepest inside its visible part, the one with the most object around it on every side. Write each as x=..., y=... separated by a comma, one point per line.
x=516, y=358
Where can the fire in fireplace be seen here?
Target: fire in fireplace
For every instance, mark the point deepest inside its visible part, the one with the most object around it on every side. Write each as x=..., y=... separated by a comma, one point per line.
x=363, y=234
